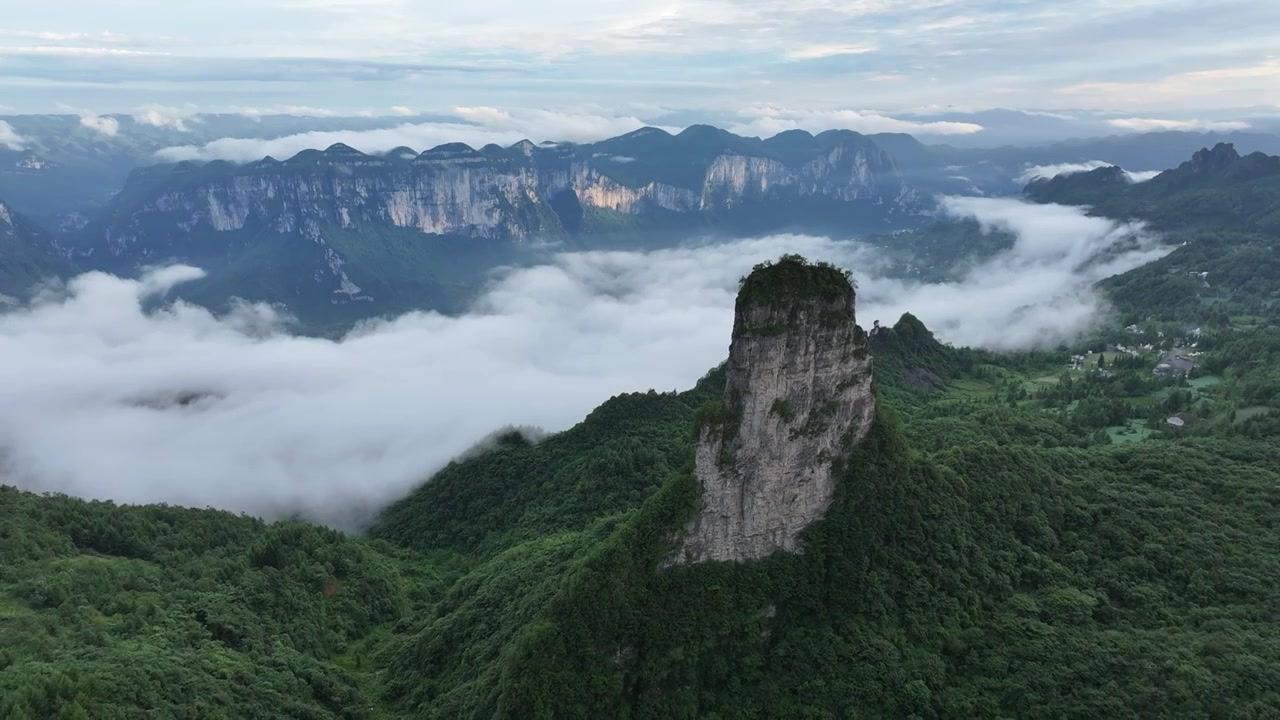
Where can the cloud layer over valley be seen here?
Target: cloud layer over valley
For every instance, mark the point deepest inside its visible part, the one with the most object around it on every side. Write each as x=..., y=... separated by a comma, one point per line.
x=104, y=400
x=1046, y=172
x=476, y=126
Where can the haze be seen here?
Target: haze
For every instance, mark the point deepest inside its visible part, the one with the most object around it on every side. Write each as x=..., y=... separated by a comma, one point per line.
x=101, y=399
x=755, y=66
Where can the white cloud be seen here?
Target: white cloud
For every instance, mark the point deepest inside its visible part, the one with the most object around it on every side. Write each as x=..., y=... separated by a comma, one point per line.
x=768, y=120
x=477, y=126
x=102, y=399
x=103, y=124
x=74, y=51
x=162, y=117
x=9, y=138
x=1135, y=124
x=1141, y=175
x=298, y=110
x=1206, y=88
x=818, y=52
x=1046, y=172
x=1037, y=294
x=401, y=110
x=1046, y=114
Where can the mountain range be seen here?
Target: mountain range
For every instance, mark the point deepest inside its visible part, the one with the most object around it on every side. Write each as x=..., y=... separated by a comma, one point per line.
x=28, y=256
x=1216, y=188
x=831, y=524
x=335, y=236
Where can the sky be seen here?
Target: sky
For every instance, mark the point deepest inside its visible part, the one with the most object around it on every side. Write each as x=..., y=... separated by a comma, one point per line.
x=334, y=429
x=1153, y=61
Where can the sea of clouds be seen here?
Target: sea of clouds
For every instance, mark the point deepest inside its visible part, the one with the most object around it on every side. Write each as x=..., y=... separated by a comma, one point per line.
x=102, y=398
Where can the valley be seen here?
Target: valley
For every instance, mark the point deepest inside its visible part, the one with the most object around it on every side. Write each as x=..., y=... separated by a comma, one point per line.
x=996, y=457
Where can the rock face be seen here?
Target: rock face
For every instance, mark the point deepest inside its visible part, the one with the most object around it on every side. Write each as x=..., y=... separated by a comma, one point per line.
x=338, y=231
x=798, y=397
x=1219, y=158
x=513, y=193
x=28, y=256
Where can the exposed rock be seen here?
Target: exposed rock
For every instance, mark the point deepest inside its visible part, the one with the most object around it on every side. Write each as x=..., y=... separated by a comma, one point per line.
x=1220, y=157
x=494, y=193
x=798, y=397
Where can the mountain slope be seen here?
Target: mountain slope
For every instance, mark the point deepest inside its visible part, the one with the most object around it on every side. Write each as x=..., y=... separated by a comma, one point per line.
x=1000, y=170
x=981, y=558
x=1223, y=212
x=1216, y=188
x=337, y=235
x=28, y=255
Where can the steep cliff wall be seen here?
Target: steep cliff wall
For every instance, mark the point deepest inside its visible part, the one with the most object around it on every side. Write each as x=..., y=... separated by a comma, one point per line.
x=798, y=396
x=494, y=192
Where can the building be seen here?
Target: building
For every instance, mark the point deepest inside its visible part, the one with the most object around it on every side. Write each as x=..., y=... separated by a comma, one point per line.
x=1178, y=420
x=1175, y=366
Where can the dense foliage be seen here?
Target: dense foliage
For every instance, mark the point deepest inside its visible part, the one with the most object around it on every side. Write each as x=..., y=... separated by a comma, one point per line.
x=791, y=279
x=1051, y=534
x=1012, y=565
x=107, y=610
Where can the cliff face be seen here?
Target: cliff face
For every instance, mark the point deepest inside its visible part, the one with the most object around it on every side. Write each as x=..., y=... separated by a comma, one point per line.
x=341, y=232
x=28, y=256
x=798, y=397
x=510, y=193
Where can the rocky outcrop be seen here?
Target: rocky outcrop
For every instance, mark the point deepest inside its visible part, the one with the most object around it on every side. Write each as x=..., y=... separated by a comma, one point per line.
x=798, y=398
x=511, y=193
x=1212, y=160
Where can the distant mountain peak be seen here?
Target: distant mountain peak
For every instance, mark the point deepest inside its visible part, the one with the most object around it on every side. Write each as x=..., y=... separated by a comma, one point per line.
x=449, y=150
x=1219, y=158
x=342, y=150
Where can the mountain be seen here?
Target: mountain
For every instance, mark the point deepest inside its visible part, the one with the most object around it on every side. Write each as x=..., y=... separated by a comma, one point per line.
x=965, y=553
x=1000, y=170
x=798, y=394
x=1216, y=188
x=338, y=234
x=68, y=167
x=28, y=256
x=1220, y=209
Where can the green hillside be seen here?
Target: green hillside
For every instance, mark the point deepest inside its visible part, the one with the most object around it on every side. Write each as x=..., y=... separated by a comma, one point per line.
x=992, y=553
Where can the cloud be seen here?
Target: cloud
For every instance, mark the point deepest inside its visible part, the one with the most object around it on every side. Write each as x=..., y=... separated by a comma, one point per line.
x=103, y=399
x=768, y=120
x=401, y=110
x=1209, y=87
x=1047, y=172
x=818, y=52
x=103, y=124
x=9, y=138
x=1039, y=293
x=76, y=51
x=1141, y=125
x=162, y=117
x=1141, y=175
x=476, y=126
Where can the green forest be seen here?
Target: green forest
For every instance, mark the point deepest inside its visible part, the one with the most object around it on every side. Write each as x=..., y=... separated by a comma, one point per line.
x=1025, y=535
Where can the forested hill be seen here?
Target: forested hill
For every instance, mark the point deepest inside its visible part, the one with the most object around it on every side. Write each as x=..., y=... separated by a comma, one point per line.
x=1012, y=539
x=1217, y=188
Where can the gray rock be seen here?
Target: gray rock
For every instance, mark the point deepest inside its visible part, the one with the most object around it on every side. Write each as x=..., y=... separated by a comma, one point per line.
x=798, y=397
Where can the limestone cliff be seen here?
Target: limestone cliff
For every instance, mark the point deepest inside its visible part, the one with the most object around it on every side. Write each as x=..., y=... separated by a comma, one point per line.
x=513, y=193
x=798, y=397
x=389, y=232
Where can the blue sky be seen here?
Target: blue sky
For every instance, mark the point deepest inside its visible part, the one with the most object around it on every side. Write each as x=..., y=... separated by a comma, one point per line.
x=1145, y=58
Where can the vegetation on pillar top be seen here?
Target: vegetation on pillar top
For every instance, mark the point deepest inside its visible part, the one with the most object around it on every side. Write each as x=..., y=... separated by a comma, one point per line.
x=792, y=279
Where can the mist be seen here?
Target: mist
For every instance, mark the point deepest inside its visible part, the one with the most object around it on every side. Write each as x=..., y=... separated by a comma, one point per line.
x=1048, y=172
x=102, y=399
x=476, y=126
